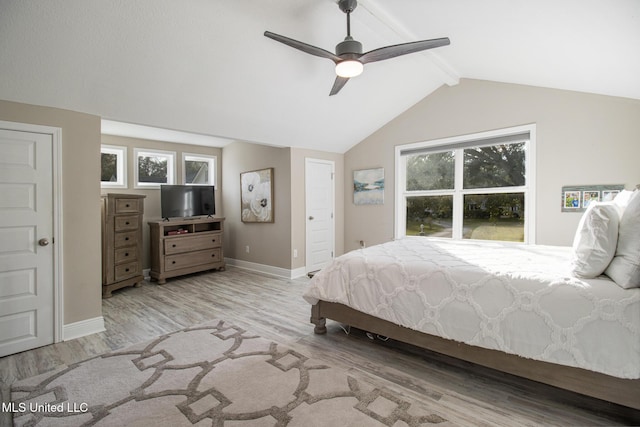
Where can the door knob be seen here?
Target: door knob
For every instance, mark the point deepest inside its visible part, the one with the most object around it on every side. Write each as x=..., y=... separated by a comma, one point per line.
x=43, y=242
x=310, y=218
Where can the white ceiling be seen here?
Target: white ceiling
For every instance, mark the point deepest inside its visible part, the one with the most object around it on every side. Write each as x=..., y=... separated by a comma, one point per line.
x=204, y=66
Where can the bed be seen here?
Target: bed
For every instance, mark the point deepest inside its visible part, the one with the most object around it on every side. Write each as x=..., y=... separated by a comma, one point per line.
x=512, y=307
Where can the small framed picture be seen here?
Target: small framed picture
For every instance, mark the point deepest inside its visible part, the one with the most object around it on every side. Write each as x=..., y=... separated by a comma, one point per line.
x=609, y=195
x=572, y=199
x=588, y=197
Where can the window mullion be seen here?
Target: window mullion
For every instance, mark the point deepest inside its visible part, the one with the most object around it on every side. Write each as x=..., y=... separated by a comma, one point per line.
x=458, y=202
x=494, y=190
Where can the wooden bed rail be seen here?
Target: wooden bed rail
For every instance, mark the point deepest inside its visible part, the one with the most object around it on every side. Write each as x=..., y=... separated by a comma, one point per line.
x=616, y=390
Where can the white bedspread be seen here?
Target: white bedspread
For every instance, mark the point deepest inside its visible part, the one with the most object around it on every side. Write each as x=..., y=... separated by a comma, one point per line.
x=520, y=299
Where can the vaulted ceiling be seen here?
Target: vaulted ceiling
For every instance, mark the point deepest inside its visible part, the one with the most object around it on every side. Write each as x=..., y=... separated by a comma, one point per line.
x=205, y=67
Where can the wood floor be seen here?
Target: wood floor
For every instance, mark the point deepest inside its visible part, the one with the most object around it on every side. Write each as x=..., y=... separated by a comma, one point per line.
x=462, y=393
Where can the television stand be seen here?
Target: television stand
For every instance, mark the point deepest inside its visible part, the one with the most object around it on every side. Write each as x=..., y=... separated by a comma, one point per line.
x=185, y=246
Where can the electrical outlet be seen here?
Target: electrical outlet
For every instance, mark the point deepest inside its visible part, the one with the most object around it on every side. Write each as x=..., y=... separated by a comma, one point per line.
x=246, y=248
x=295, y=253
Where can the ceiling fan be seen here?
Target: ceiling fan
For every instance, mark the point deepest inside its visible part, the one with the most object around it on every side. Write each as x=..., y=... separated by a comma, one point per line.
x=349, y=58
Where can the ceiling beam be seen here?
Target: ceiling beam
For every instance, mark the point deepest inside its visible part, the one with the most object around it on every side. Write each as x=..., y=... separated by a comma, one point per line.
x=447, y=73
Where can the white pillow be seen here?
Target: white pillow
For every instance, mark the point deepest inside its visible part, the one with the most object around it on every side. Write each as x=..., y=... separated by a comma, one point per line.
x=625, y=266
x=622, y=198
x=594, y=244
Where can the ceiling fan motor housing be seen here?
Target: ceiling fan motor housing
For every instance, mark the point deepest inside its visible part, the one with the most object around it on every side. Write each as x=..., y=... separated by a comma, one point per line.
x=348, y=46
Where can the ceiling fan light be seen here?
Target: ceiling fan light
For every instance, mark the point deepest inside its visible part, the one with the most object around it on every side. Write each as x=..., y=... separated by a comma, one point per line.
x=349, y=68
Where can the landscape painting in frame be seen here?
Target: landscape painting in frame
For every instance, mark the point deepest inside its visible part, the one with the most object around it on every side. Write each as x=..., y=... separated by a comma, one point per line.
x=256, y=193
x=368, y=186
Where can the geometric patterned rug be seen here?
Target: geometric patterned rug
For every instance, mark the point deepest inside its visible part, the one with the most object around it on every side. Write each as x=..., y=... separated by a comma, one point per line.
x=214, y=374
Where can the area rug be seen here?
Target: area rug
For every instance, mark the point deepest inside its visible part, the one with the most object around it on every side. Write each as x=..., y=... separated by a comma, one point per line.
x=214, y=374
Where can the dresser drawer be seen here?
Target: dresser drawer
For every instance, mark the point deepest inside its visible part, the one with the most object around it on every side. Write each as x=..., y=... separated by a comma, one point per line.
x=124, y=206
x=176, y=262
x=191, y=243
x=125, y=255
x=124, y=271
x=126, y=222
x=127, y=238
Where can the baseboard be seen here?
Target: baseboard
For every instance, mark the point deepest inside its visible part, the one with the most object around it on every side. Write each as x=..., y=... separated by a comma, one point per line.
x=266, y=269
x=82, y=328
x=298, y=272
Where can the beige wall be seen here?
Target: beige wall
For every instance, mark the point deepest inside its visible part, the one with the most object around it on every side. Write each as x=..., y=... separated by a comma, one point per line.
x=582, y=139
x=273, y=244
x=269, y=243
x=247, y=156
x=80, y=203
x=152, y=200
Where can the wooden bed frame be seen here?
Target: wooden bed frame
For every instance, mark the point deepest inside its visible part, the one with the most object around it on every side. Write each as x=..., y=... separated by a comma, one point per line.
x=620, y=391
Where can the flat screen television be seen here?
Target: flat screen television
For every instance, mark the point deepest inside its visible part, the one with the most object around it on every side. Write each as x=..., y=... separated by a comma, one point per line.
x=186, y=201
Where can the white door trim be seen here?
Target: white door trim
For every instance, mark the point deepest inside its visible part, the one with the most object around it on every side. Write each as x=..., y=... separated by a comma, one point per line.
x=56, y=135
x=331, y=163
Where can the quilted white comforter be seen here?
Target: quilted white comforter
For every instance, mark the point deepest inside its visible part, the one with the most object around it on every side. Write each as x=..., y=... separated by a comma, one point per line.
x=520, y=299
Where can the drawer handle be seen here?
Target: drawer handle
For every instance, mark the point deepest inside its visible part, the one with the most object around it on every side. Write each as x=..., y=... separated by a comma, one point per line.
x=126, y=254
x=173, y=262
x=127, y=205
x=126, y=238
x=173, y=246
x=213, y=255
x=126, y=269
x=126, y=223
x=213, y=240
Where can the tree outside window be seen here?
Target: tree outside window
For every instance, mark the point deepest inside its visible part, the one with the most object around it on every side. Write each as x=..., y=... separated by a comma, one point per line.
x=154, y=168
x=113, y=166
x=473, y=190
x=198, y=169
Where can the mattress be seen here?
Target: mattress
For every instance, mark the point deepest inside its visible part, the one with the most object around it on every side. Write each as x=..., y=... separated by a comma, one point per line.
x=519, y=299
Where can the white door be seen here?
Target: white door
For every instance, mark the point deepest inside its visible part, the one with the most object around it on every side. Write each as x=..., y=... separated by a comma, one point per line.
x=26, y=247
x=319, y=188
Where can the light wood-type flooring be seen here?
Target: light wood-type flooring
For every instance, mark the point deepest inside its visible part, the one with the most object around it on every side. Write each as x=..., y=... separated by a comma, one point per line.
x=460, y=392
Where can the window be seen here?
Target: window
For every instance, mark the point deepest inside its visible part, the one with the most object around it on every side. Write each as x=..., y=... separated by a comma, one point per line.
x=154, y=168
x=114, y=166
x=198, y=169
x=473, y=187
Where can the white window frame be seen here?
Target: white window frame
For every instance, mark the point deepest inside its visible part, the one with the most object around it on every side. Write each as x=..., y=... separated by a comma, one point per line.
x=458, y=193
x=171, y=166
x=121, y=165
x=211, y=160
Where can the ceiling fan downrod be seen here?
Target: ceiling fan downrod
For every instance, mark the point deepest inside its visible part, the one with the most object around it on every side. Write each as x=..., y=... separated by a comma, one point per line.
x=348, y=48
x=348, y=6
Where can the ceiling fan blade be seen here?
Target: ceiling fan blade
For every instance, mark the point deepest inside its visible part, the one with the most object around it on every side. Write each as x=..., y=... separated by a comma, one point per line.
x=402, y=49
x=307, y=48
x=338, y=84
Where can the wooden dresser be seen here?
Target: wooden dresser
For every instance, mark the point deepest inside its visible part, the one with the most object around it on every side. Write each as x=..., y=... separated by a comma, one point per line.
x=121, y=241
x=185, y=246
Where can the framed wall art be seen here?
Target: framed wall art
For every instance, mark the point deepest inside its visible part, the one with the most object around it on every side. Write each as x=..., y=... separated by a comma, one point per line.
x=368, y=186
x=576, y=198
x=256, y=195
